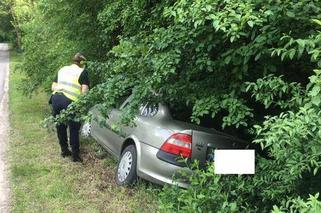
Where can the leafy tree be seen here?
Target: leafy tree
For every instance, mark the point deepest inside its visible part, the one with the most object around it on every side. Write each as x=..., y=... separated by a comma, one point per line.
x=53, y=31
x=6, y=28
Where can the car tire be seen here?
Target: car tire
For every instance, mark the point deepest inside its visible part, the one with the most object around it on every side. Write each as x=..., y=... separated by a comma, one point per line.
x=126, y=169
x=86, y=130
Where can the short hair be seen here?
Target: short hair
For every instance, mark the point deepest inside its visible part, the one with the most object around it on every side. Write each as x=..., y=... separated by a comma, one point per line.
x=79, y=57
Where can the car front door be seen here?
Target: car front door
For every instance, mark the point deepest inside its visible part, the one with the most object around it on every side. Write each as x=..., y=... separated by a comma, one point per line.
x=117, y=132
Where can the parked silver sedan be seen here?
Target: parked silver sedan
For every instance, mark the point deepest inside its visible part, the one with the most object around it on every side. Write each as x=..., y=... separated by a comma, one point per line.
x=152, y=149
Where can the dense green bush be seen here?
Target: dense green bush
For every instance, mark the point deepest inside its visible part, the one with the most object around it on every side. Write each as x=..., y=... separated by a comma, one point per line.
x=293, y=139
x=243, y=64
x=312, y=205
x=53, y=33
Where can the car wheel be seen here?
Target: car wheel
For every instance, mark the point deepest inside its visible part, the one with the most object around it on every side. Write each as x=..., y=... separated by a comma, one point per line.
x=126, y=169
x=86, y=130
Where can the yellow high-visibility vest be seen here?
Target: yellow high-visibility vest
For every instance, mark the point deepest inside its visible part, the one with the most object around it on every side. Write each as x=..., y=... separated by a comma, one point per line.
x=68, y=81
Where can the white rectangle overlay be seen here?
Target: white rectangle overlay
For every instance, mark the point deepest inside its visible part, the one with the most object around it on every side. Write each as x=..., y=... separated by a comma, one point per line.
x=234, y=161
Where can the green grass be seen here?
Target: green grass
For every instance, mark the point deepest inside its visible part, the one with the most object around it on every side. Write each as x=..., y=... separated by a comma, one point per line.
x=43, y=181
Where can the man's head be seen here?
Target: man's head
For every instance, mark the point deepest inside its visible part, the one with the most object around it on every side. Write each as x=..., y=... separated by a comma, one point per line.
x=78, y=58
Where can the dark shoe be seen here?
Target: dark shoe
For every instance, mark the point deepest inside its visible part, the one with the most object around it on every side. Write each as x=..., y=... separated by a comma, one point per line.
x=76, y=158
x=66, y=153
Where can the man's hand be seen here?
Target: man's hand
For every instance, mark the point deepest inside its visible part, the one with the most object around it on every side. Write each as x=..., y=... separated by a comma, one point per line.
x=55, y=87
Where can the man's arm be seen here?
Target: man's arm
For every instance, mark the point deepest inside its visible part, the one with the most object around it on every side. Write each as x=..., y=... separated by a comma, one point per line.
x=54, y=85
x=84, y=88
x=84, y=82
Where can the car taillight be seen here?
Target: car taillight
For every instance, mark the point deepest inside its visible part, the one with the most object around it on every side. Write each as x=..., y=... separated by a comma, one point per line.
x=179, y=144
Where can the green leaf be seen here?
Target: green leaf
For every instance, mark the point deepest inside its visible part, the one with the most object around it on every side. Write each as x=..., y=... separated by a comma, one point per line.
x=316, y=21
x=315, y=171
x=315, y=90
x=227, y=60
x=250, y=23
x=232, y=38
x=301, y=42
x=257, y=57
x=316, y=100
x=290, y=14
x=233, y=207
x=292, y=53
x=216, y=24
x=283, y=55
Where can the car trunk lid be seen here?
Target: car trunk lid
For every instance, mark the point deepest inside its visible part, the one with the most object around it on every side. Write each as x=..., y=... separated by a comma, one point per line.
x=205, y=143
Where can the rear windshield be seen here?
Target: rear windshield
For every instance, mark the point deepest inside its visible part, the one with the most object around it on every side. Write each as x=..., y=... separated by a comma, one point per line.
x=183, y=113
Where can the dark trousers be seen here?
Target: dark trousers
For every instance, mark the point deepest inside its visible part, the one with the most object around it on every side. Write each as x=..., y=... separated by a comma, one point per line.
x=60, y=102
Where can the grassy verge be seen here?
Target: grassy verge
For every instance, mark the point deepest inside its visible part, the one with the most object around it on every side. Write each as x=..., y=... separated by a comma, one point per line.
x=42, y=181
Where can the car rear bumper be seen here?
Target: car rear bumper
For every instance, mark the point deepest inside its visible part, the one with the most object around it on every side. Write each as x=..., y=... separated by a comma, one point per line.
x=155, y=170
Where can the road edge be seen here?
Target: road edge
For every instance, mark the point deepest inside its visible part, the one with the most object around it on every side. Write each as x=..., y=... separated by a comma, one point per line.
x=4, y=133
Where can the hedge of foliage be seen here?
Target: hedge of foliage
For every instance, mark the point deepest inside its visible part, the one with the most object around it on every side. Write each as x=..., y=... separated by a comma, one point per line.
x=250, y=66
x=6, y=28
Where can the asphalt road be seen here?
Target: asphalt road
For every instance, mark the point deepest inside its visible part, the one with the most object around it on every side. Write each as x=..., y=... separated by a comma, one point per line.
x=4, y=127
x=4, y=61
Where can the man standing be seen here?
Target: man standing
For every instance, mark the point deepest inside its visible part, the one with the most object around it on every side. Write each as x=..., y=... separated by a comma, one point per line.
x=70, y=82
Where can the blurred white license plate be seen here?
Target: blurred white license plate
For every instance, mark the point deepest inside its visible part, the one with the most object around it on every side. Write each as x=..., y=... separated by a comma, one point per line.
x=234, y=161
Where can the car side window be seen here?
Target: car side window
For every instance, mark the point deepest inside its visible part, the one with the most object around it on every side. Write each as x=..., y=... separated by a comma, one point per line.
x=120, y=102
x=148, y=110
x=126, y=101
